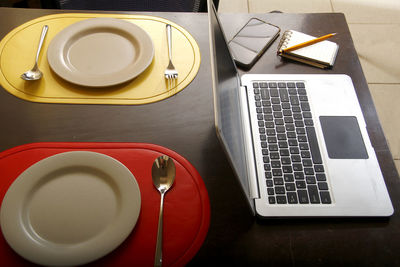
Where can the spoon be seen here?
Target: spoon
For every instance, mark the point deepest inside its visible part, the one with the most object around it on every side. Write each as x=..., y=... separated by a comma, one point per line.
x=35, y=73
x=163, y=173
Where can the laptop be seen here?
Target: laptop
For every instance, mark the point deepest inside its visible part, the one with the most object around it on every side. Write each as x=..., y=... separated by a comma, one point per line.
x=297, y=143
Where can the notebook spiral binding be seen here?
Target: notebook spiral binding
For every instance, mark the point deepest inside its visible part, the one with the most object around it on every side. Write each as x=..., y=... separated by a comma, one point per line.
x=284, y=40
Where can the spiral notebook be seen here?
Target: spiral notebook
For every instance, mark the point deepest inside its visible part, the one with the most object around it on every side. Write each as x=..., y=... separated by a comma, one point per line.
x=321, y=55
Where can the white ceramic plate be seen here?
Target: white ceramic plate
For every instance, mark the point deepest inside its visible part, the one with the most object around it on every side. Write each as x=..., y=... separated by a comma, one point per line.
x=70, y=208
x=100, y=52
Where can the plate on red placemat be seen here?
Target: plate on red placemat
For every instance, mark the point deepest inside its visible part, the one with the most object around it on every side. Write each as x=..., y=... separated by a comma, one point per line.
x=186, y=206
x=70, y=208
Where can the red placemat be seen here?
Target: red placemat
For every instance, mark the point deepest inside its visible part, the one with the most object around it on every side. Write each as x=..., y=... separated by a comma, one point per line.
x=186, y=205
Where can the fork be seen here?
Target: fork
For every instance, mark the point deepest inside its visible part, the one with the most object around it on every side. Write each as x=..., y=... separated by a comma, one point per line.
x=170, y=73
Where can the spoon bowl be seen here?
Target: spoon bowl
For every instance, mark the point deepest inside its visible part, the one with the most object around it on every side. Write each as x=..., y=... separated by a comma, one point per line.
x=163, y=175
x=35, y=73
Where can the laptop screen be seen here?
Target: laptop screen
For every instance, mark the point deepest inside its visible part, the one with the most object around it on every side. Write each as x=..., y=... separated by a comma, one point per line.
x=227, y=108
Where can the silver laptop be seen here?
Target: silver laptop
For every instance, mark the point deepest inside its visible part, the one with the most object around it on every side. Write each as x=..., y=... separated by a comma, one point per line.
x=297, y=143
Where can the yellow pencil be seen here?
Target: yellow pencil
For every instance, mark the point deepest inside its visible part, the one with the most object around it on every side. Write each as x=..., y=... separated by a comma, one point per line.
x=313, y=41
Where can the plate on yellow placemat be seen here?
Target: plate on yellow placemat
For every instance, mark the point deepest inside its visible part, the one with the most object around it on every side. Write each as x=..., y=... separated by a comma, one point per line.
x=17, y=51
x=100, y=52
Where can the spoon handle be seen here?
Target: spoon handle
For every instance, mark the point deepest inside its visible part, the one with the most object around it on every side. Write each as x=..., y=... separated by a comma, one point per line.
x=158, y=256
x=44, y=32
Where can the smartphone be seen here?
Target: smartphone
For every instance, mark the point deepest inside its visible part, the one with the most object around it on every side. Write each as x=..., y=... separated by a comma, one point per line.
x=251, y=41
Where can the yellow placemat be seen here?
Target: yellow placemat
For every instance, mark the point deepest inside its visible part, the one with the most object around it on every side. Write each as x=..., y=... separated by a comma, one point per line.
x=18, y=50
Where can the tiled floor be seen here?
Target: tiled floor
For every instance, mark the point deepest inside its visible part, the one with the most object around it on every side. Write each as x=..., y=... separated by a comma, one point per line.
x=375, y=28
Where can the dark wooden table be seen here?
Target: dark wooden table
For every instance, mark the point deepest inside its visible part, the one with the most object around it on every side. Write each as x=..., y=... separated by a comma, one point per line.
x=185, y=123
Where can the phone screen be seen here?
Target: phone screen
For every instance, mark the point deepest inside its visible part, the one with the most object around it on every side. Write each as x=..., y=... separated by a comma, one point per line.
x=252, y=41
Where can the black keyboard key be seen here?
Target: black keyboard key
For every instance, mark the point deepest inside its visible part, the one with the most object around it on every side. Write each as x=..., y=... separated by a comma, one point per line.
x=264, y=94
x=287, y=169
x=269, y=124
x=290, y=187
x=313, y=194
x=312, y=139
x=286, y=161
x=307, y=115
x=305, y=106
x=270, y=183
x=268, y=175
x=321, y=177
x=325, y=197
x=301, y=91
x=280, y=129
x=268, y=117
x=264, y=85
x=273, y=147
x=276, y=172
x=267, y=167
x=297, y=116
x=288, y=116
x=271, y=200
x=297, y=167
x=275, y=164
x=302, y=138
x=307, y=162
x=272, y=85
x=282, y=85
x=284, y=95
x=264, y=144
x=270, y=191
x=291, y=85
x=281, y=136
x=309, y=171
x=278, y=181
x=303, y=98
x=274, y=155
x=319, y=168
x=305, y=154
x=274, y=93
x=292, y=198
x=303, y=197
x=266, y=159
x=308, y=122
x=271, y=139
x=281, y=200
x=288, y=177
x=283, y=144
x=280, y=190
x=292, y=91
x=323, y=186
x=310, y=180
x=279, y=122
x=296, y=158
x=300, y=85
x=299, y=175
x=257, y=97
x=255, y=85
x=284, y=152
x=266, y=103
x=293, y=142
x=300, y=185
x=286, y=105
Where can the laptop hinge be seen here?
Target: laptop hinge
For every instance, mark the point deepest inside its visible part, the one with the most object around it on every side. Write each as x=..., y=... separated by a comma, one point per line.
x=248, y=140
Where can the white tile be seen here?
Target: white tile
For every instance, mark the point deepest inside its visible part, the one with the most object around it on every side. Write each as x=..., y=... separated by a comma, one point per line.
x=377, y=46
x=290, y=6
x=386, y=99
x=233, y=6
x=369, y=11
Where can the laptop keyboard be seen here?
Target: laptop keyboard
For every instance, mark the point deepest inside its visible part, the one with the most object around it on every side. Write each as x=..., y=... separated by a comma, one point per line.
x=294, y=171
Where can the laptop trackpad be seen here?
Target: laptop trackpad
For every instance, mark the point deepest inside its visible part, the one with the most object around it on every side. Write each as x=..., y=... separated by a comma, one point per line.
x=343, y=137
